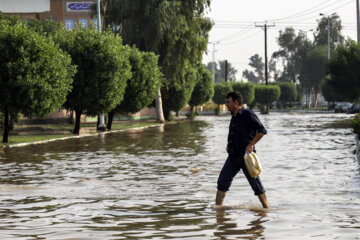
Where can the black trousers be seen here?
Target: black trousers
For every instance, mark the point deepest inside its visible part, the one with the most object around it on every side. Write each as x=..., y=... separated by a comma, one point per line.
x=231, y=167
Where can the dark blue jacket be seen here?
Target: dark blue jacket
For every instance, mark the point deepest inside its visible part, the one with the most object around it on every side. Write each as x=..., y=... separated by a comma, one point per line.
x=243, y=128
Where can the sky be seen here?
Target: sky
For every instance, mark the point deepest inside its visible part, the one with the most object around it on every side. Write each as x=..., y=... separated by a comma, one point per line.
x=237, y=38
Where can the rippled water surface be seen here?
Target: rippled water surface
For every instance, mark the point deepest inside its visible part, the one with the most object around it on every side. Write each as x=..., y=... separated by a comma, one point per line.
x=160, y=183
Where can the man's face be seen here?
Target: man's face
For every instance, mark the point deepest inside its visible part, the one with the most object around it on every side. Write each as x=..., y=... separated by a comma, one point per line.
x=231, y=105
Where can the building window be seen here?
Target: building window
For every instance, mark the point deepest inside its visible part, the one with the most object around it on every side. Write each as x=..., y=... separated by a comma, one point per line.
x=84, y=22
x=69, y=23
x=94, y=21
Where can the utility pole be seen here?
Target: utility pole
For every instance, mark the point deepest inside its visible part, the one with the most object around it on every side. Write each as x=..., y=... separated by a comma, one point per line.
x=265, y=27
x=358, y=20
x=98, y=15
x=213, y=60
x=101, y=125
x=226, y=70
x=329, y=30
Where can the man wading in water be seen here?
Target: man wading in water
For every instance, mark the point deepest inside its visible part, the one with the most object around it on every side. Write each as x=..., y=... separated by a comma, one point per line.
x=244, y=132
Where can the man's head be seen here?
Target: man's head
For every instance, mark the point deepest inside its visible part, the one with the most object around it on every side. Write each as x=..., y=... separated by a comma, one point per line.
x=233, y=101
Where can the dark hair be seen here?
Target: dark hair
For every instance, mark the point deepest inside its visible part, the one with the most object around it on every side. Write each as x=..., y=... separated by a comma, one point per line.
x=235, y=96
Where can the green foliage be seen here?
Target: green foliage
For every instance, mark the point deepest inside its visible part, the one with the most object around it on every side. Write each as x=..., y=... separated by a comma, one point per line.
x=177, y=31
x=266, y=93
x=217, y=111
x=247, y=91
x=288, y=93
x=345, y=72
x=103, y=69
x=258, y=65
x=313, y=69
x=299, y=93
x=48, y=27
x=145, y=81
x=292, y=52
x=204, y=88
x=220, y=92
x=192, y=115
x=178, y=94
x=355, y=124
x=329, y=93
x=220, y=71
x=35, y=74
x=321, y=35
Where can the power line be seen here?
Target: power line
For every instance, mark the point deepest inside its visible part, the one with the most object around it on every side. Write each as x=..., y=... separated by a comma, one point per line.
x=291, y=16
x=316, y=16
x=237, y=41
x=233, y=36
x=312, y=11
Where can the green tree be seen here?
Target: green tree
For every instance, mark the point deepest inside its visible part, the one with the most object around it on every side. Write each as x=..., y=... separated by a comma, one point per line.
x=329, y=93
x=321, y=34
x=299, y=93
x=142, y=87
x=203, y=90
x=259, y=67
x=292, y=52
x=265, y=94
x=344, y=71
x=288, y=94
x=48, y=27
x=35, y=75
x=247, y=91
x=177, y=94
x=175, y=30
x=231, y=72
x=313, y=71
x=220, y=92
x=103, y=70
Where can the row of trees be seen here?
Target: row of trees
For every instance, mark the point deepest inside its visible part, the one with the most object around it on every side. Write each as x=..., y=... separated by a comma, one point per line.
x=259, y=94
x=303, y=62
x=45, y=67
x=175, y=30
x=82, y=70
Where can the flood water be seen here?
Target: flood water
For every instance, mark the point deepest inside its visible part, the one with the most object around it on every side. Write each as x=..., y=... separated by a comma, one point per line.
x=160, y=183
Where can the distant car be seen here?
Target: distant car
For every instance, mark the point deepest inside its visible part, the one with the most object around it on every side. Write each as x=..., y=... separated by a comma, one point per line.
x=353, y=109
x=342, y=107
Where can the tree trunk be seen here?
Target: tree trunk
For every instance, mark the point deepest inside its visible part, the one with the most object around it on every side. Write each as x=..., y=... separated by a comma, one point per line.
x=317, y=96
x=12, y=121
x=159, y=108
x=6, y=126
x=77, y=122
x=309, y=98
x=191, y=110
x=110, y=120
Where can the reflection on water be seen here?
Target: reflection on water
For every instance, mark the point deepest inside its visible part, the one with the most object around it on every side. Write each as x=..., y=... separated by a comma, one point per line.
x=160, y=183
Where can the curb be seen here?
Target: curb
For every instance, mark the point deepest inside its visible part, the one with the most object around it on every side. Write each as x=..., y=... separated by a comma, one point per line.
x=80, y=136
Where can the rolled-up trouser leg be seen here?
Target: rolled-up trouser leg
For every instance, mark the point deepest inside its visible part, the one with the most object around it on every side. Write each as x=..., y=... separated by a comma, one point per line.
x=255, y=183
x=227, y=174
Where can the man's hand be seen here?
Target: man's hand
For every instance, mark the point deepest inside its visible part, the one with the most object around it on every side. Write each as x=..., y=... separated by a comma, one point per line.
x=250, y=148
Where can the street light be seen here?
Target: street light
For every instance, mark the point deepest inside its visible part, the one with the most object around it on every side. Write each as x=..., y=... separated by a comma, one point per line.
x=328, y=18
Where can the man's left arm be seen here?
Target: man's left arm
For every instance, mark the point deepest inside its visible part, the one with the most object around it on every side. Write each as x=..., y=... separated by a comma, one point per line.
x=251, y=145
x=257, y=126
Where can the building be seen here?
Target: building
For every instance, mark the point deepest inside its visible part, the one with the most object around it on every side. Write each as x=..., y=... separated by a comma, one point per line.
x=68, y=12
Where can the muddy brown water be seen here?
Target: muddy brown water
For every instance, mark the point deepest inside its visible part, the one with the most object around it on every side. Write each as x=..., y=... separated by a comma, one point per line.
x=160, y=183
